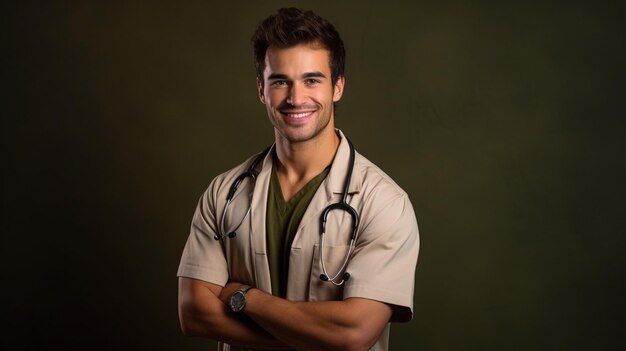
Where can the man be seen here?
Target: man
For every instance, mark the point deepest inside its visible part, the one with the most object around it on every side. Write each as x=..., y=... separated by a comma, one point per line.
x=251, y=276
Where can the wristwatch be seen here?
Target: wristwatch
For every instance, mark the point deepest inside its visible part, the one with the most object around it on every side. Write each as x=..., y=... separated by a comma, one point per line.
x=238, y=299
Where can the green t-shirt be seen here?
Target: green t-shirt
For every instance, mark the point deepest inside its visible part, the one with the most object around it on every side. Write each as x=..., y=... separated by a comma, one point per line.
x=283, y=219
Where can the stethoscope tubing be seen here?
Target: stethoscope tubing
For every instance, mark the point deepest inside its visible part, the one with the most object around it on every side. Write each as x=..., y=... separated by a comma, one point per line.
x=231, y=193
x=341, y=205
x=344, y=206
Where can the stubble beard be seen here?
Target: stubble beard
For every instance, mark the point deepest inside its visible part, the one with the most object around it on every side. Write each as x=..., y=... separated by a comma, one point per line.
x=294, y=139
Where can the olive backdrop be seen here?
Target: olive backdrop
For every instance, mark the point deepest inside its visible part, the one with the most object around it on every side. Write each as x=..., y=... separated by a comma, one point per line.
x=504, y=121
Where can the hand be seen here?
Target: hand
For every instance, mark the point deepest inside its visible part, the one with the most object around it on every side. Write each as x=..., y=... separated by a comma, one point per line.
x=228, y=290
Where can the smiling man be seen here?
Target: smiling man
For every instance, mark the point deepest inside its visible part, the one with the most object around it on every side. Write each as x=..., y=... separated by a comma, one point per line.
x=307, y=245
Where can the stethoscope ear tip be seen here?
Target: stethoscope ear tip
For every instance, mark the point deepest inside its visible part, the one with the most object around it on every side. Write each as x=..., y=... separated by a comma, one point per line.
x=232, y=235
x=346, y=276
x=217, y=238
x=324, y=277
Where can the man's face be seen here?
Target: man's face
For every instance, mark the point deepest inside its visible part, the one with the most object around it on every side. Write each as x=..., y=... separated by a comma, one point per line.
x=298, y=93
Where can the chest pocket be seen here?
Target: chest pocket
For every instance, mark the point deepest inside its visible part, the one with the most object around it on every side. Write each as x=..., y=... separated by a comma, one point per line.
x=336, y=247
x=334, y=255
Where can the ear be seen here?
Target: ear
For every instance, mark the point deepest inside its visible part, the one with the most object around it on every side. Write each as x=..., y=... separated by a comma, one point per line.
x=338, y=88
x=259, y=87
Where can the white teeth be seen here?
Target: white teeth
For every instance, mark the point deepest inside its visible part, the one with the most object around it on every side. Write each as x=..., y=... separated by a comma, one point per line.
x=299, y=115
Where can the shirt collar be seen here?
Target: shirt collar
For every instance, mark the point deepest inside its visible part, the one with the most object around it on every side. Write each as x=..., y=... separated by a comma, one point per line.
x=335, y=182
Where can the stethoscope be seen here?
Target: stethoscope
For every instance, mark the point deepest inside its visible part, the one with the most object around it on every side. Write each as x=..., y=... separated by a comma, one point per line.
x=251, y=173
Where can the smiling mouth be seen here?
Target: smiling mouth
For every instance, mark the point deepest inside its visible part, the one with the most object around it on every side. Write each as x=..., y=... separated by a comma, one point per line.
x=297, y=114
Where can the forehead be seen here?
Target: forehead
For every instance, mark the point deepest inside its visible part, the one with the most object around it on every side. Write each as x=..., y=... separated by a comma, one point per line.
x=297, y=59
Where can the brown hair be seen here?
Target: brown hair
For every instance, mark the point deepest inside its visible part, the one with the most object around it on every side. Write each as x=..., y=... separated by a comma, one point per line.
x=292, y=26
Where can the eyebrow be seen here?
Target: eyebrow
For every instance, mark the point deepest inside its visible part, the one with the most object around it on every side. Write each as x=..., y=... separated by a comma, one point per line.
x=314, y=74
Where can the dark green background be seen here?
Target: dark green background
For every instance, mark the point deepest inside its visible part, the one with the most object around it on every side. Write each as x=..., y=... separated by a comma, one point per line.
x=504, y=121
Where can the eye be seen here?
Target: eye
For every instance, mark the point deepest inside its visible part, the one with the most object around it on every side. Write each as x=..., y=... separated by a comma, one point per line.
x=311, y=81
x=279, y=83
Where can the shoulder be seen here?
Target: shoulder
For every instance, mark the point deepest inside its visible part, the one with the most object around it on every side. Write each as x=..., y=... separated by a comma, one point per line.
x=382, y=202
x=222, y=182
x=374, y=180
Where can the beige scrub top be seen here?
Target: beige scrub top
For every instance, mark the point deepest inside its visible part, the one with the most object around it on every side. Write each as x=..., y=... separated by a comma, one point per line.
x=381, y=267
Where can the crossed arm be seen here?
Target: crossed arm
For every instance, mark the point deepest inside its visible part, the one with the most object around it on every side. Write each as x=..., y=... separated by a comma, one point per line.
x=273, y=323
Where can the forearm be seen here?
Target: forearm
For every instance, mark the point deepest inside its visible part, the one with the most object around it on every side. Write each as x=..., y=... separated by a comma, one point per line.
x=203, y=314
x=353, y=324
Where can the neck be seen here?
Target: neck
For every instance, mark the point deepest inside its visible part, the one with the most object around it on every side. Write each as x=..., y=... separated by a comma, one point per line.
x=312, y=156
x=298, y=163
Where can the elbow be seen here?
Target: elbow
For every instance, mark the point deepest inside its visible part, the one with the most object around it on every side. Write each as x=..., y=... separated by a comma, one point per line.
x=358, y=339
x=187, y=325
x=186, y=329
x=355, y=340
x=199, y=309
x=192, y=323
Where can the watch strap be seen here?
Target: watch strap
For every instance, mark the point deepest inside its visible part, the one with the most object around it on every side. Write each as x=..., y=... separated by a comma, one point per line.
x=243, y=289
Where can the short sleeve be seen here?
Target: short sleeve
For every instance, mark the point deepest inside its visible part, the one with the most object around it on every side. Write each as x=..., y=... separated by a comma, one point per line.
x=203, y=257
x=382, y=267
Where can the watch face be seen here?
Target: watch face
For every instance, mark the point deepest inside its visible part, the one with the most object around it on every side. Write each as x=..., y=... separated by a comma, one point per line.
x=237, y=301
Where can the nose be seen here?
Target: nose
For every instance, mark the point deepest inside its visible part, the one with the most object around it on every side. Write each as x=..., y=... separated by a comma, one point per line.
x=296, y=95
